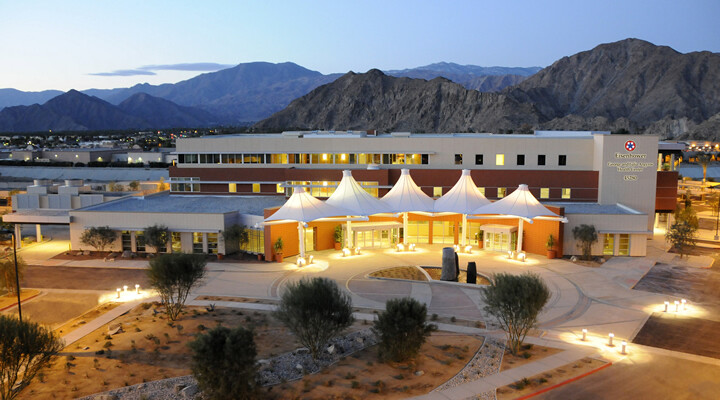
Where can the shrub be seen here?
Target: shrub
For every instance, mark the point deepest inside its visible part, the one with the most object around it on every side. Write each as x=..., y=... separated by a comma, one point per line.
x=223, y=362
x=586, y=235
x=98, y=237
x=7, y=273
x=156, y=236
x=315, y=310
x=174, y=276
x=402, y=329
x=25, y=349
x=516, y=301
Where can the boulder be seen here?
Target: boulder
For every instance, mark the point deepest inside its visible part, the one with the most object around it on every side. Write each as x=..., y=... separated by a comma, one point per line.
x=448, y=265
x=331, y=349
x=127, y=254
x=189, y=392
x=472, y=272
x=178, y=387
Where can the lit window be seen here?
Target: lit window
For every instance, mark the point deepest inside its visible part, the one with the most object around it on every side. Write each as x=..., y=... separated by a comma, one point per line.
x=279, y=188
x=566, y=193
x=562, y=159
x=624, y=245
x=232, y=187
x=544, y=193
x=458, y=159
x=501, y=192
x=521, y=159
x=437, y=191
x=478, y=159
x=256, y=187
x=499, y=159
x=482, y=190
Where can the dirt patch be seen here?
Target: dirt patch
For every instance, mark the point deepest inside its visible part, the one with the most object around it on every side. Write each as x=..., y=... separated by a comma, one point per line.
x=670, y=331
x=548, y=378
x=52, y=309
x=528, y=353
x=409, y=273
x=53, y=277
x=362, y=376
x=237, y=299
x=77, y=322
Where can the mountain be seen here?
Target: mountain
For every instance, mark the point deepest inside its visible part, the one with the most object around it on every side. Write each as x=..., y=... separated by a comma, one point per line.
x=75, y=111
x=484, y=79
x=377, y=101
x=14, y=97
x=631, y=79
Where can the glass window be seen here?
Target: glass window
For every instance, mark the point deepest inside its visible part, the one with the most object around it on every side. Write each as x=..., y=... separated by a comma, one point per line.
x=212, y=239
x=228, y=158
x=140, y=241
x=232, y=187
x=443, y=232
x=386, y=158
x=499, y=159
x=478, y=159
x=544, y=193
x=624, y=245
x=342, y=158
x=279, y=188
x=437, y=191
x=176, y=242
x=482, y=190
x=541, y=159
x=609, y=244
x=501, y=192
x=425, y=159
x=521, y=159
x=458, y=159
x=256, y=187
x=197, y=242
x=565, y=193
x=562, y=159
x=126, y=241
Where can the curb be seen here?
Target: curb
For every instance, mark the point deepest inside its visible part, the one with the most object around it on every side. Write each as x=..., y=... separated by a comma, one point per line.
x=563, y=383
x=21, y=301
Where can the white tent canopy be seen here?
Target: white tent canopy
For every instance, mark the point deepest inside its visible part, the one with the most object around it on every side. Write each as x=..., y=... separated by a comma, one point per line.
x=302, y=208
x=464, y=198
x=406, y=196
x=520, y=204
x=352, y=197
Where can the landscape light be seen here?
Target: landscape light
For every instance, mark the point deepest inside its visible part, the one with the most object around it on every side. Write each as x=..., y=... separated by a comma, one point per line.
x=137, y=289
x=456, y=247
x=468, y=249
x=400, y=247
x=584, y=332
x=412, y=246
x=125, y=288
x=521, y=256
x=346, y=252
x=610, y=338
x=511, y=254
x=300, y=261
x=310, y=259
x=357, y=251
x=667, y=303
x=677, y=306
x=624, y=347
x=118, y=293
x=684, y=303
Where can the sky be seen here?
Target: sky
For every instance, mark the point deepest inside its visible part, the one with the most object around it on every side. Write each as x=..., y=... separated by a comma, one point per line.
x=77, y=44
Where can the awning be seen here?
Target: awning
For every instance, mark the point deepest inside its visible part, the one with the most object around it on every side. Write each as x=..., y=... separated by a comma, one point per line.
x=375, y=226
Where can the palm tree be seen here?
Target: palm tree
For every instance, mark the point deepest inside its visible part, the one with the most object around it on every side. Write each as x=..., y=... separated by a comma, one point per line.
x=704, y=160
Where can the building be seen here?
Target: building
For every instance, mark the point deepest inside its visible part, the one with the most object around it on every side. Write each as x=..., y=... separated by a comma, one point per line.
x=610, y=181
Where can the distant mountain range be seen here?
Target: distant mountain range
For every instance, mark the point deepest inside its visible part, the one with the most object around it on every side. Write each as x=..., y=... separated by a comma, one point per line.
x=630, y=84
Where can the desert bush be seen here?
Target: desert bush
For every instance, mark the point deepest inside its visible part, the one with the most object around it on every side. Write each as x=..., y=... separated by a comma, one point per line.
x=586, y=235
x=174, y=276
x=223, y=362
x=315, y=310
x=157, y=237
x=7, y=273
x=98, y=237
x=402, y=329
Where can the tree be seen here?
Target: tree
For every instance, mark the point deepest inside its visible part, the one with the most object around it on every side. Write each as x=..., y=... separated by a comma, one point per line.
x=98, y=237
x=586, y=235
x=315, y=310
x=237, y=234
x=516, y=301
x=174, y=276
x=223, y=363
x=7, y=273
x=134, y=186
x=115, y=187
x=25, y=349
x=156, y=236
x=704, y=160
x=162, y=186
x=682, y=237
x=402, y=329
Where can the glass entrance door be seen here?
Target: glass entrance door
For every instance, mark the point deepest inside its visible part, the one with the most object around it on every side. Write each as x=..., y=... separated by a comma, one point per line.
x=497, y=241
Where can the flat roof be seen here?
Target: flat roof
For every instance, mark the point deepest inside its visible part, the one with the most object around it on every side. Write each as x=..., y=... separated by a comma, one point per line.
x=395, y=135
x=595, y=208
x=190, y=204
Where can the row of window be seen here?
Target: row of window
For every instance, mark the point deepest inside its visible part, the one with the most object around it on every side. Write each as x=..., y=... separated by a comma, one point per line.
x=502, y=192
x=303, y=158
x=519, y=160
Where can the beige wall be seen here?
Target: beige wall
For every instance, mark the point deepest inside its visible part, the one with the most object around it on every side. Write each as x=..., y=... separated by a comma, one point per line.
x=622, y=223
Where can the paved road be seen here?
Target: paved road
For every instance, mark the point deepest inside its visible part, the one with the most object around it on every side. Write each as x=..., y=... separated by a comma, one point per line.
x=43, y=277
x=657, y=377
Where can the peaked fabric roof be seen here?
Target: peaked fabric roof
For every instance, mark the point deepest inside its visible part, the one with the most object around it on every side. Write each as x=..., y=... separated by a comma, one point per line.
x=351, y=196
x=303, y=207
x=520, y=203
x=463, y=198
x=406, y=196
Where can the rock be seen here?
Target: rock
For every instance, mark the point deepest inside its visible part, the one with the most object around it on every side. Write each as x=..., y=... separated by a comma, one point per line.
x=178, y=387
x=105, y=397
x=127, y=254
x=602, y=260
x=86, y=253
x=86, y=348
x=331, y=349
x=100, y=352
x=189, y=392
x=299, y=368
x=419, y=373
x=263, y=362
x=573, y=259
x=448, y=265
x=360, y=340
x=472, y=272
x=302, y=350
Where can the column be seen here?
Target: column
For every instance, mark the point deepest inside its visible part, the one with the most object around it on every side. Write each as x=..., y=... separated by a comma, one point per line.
x=38, y=233
x=133, y=245
x=205, y=242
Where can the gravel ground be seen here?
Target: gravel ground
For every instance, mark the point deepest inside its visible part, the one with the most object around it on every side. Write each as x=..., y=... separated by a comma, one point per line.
x=486, y=362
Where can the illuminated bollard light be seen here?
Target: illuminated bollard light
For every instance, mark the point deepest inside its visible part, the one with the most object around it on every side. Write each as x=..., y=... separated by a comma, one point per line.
x=137, y=289
x=300, y=262
x=522, y=256
x=411, y=247
x=468, y=249
x=667, y=303
x=357, y=251
x=624, y=347
x=118, y=292
x=610, y=339
x=684, y=303
x=125, y=288
x=400, y=247
x=584, y=332
x=346, y=252
x=310, y=259
x=677, y=306
x=511, y=254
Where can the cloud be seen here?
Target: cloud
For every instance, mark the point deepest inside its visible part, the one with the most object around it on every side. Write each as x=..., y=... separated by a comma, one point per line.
x=123, y=72
x=186, y=67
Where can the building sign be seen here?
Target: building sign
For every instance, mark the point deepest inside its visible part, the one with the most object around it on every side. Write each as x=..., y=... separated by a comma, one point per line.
x=630, y=162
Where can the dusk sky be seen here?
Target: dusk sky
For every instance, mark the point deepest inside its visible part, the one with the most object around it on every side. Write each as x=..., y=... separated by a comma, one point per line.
x=105, y=44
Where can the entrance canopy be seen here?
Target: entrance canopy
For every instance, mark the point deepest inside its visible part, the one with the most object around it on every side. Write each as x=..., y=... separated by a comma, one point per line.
x=463, y=198
x=351, y=196
x=302, y=207
x=519, y=204
x=406, y=196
